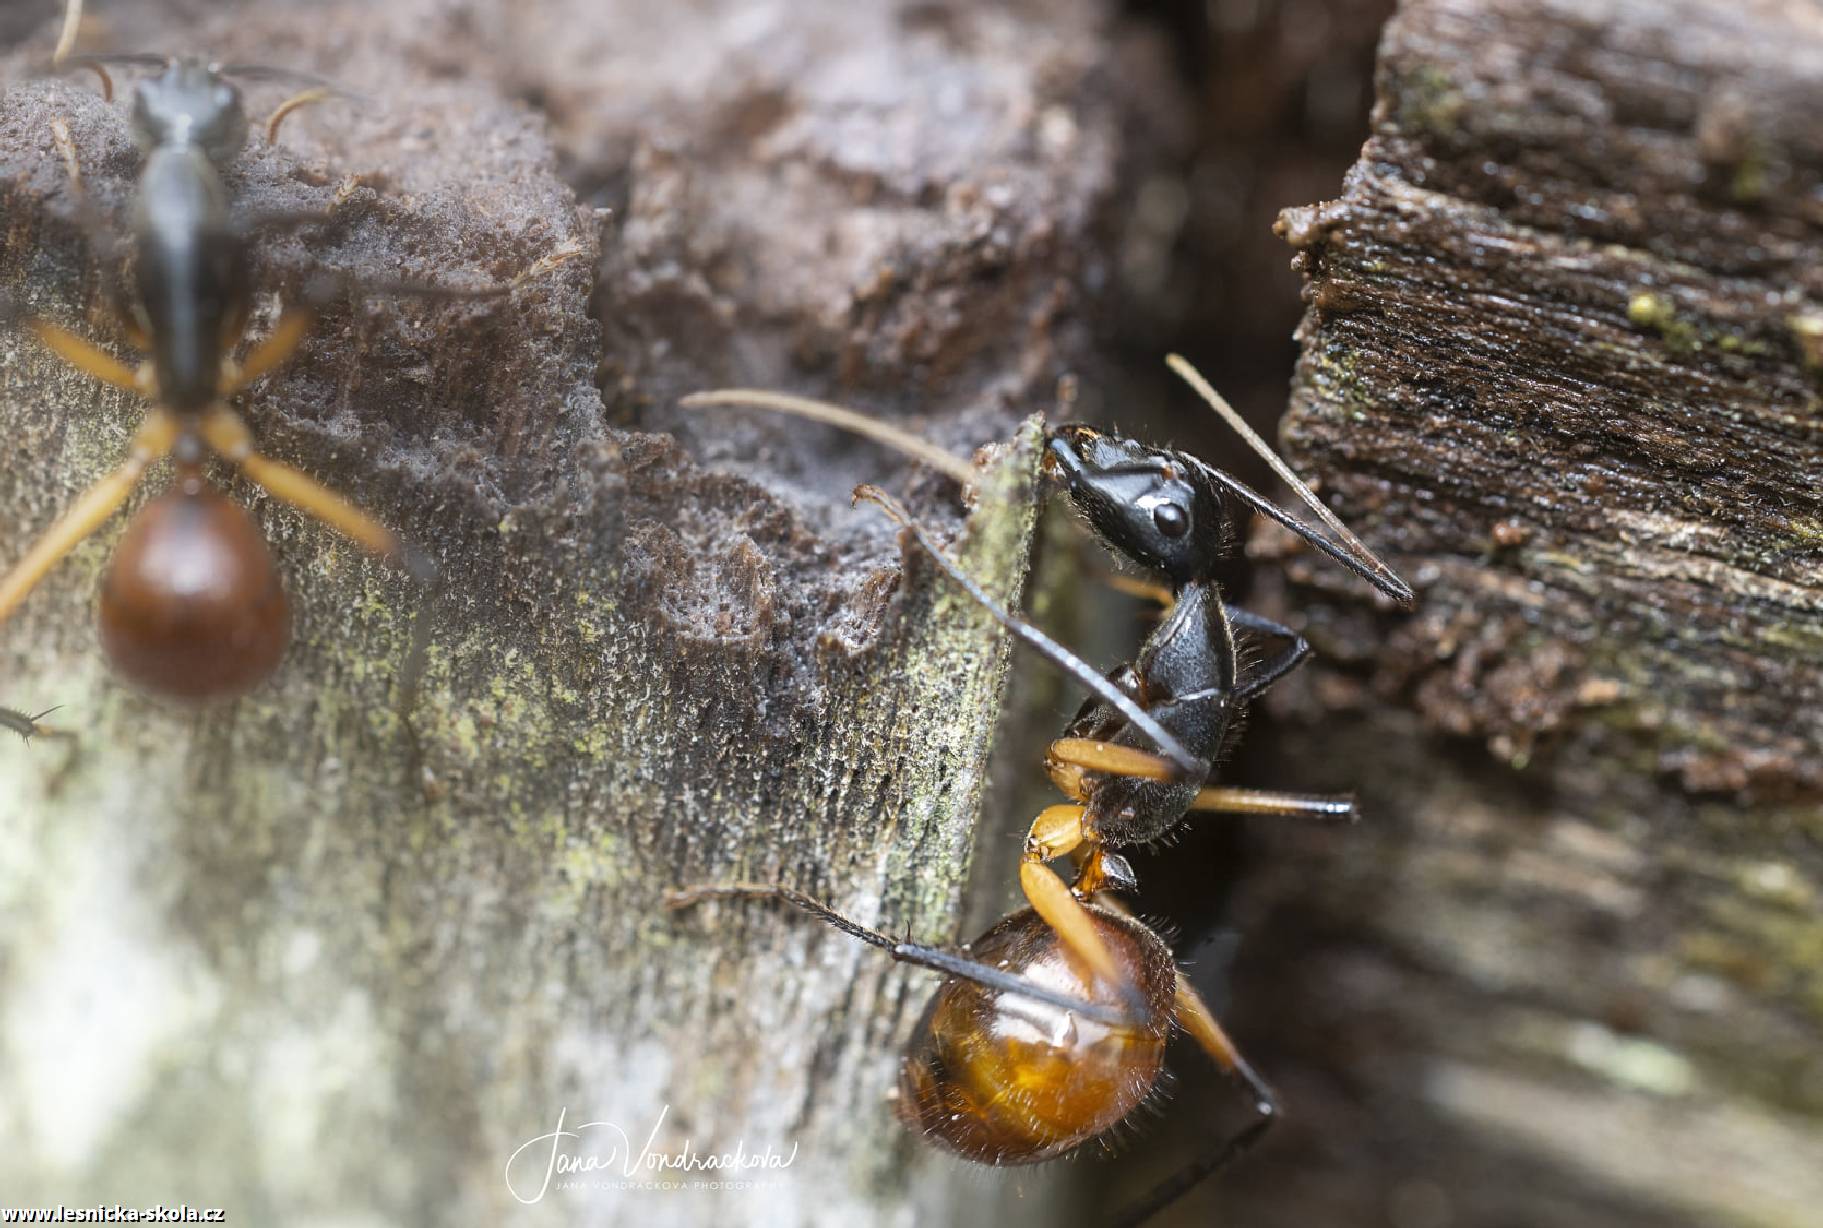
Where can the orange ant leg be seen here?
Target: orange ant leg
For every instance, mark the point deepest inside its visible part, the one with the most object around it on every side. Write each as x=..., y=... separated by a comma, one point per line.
x=223, y=430
x=1053, y=900
x=1069, y=758
x=93, y=360
x=269, y=352
x=1057, y=831
x=904, y=952
x=155, y=437
x=1146, y=590
x=1330, y=807
x=1110, y=758
x=1200, y=1024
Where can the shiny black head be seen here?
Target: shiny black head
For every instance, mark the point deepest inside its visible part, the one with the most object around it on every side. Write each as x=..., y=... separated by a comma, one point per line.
x=1155, y=506
x=190, y=103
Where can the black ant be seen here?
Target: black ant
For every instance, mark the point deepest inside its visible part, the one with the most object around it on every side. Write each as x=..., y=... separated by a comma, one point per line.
x=192, y=605
x=1051, y=1026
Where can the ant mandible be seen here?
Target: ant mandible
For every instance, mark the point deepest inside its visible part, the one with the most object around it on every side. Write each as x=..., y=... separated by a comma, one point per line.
x=191, y=605
x=1051, y=1027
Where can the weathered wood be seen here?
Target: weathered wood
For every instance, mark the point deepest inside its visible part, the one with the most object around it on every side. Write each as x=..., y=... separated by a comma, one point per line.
x=295, y=959
x=1569, y=296
x=1560, y=361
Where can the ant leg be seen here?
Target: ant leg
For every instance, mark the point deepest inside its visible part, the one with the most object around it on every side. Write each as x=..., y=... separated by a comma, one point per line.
x=223, y=430
x=1056, y=831
x=137, y=336
x=324, y=287
x=1053, y=900
x=1330, y=807
x=269, y=352
x=1068, y=758
x=904, y=952
x=91, y=359
x=1146, y=590
x=1201, y=1025
x=155, y=437
x=1295, y=654
x=417, y=659
x=66, y=43
x=1110, y=758
x=1181, y=760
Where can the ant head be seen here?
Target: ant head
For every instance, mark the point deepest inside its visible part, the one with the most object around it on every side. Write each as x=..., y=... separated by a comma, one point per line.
x=1152, y=505
x=190, y=103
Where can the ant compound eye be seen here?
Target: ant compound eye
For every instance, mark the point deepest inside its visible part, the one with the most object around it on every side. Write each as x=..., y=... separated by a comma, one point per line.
x=1172, y=520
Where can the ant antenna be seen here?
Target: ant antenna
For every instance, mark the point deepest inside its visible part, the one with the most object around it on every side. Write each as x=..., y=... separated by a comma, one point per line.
x=303, y=98
x=66, y=37
x=66, y=43
x=284, y=76
x=1185, y=763
x=311, y=89
x=847, y=419
x=97, y=64
x=1351, y=551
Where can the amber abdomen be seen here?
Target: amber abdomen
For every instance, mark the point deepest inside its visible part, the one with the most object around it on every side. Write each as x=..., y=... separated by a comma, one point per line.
x=1001, y=1079
x=192, y=606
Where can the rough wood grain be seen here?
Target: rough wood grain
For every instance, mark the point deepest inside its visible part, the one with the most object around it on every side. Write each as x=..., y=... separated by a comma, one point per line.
x=297, y=960
x=1569, y=295
x=1559, y=360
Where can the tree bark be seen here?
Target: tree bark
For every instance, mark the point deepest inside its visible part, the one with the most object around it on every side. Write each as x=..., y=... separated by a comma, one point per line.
x=310, y=958
x=1560, y=360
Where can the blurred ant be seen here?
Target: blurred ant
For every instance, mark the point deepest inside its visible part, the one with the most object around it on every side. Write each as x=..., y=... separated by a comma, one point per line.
x=1051, y=1027
x=192, y=606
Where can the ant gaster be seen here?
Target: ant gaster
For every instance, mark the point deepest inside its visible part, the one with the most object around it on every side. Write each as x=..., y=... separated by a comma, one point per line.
x=191, y=605
x=1019, y=1071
